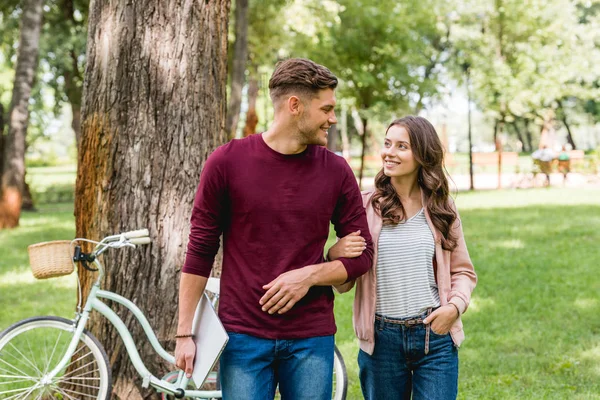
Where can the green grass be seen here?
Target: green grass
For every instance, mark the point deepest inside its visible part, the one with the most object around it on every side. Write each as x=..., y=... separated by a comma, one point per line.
x=40, y=178
x=21, y=295
x=533, y=330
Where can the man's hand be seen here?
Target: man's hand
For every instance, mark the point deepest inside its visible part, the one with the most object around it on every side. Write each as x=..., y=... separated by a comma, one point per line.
x=185, y=351
x=285, y=291
x=441, y=320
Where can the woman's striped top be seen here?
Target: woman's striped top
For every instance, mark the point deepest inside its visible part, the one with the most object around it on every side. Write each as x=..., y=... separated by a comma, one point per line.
x=405, y=278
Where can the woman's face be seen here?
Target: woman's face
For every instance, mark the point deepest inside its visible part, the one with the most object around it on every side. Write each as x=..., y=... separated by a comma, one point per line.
x=397, y=155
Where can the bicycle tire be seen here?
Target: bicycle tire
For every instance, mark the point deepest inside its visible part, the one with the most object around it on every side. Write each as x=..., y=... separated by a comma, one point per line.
x=340, y=389
x=32, y=347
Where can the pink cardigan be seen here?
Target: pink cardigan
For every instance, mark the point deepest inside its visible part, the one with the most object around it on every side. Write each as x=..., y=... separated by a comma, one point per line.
x=454, y=275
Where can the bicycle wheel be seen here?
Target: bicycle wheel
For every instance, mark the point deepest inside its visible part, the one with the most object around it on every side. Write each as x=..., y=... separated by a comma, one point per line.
x=31, y=348
x=340, y=378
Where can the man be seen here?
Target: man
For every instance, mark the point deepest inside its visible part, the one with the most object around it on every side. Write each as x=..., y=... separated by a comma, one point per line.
x=272, y=195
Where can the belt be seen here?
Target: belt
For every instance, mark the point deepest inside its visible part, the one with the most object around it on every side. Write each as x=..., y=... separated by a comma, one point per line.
x=410, y=322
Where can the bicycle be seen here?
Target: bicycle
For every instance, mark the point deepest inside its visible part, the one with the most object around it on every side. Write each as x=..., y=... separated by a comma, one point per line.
x=38, y=362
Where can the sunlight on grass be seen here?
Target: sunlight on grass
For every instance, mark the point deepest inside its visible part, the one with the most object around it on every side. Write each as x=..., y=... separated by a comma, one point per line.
x=481, y=304
x=586, y=303
x=13, y=278
x=510, y=244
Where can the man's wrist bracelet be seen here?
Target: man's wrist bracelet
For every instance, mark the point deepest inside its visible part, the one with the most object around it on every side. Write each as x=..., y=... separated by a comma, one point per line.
x=187, y=335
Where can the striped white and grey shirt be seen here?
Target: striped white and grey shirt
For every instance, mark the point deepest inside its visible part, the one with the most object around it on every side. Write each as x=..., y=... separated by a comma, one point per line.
x=405, y=280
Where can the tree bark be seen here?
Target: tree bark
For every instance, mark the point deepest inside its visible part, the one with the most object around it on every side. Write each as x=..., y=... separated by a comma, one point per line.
x=333, y=138
x=251, y=116
x=73, y=77
x=528, y=135
x=13, y=174
x=517, y=132
x=152, y=112
x=567, y=126
x=240, y=56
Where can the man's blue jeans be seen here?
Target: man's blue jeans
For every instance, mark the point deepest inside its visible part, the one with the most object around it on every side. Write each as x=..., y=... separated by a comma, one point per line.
x=400, y=366
x=251, y=368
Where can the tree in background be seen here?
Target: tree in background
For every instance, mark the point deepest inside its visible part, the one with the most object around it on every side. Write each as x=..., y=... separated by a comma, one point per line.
x=13, y=172
x=388, y=55
x=528, y=61
x=63, y=49
x=238, y=71
x=153, y=110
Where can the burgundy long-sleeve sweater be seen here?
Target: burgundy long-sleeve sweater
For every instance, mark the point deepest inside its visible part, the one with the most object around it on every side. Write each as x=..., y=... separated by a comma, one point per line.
x=274, y=212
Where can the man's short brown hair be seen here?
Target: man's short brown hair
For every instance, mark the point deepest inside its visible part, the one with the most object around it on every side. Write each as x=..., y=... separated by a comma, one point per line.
x=300, y=76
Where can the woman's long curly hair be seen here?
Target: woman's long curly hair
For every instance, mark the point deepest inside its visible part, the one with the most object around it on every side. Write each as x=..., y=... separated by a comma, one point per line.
x=429, y=155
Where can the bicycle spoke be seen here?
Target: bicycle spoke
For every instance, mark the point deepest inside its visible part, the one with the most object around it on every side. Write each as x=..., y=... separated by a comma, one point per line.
x=21, y=390
x=79, y=393
x=14, y=390
x=25, y=395
x=26, y=359
x=82, y=357
x=15, y=381
x=12, y=366
x=79, y=384
x=33, y=357
x=65, y=394
x=55, y=344
x=83, y=366
x=84, y=374
x=47, y=363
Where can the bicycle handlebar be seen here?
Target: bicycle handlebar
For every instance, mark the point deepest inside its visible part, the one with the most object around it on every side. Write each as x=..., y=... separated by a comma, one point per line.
x=141, y=240
x=137, y=234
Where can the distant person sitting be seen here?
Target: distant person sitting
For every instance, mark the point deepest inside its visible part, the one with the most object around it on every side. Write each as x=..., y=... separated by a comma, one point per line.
x=544, y=157
x=564, y=163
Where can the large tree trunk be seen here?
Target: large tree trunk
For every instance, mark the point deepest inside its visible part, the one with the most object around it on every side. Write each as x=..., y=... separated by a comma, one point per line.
x=240, y=56
x=251, y=116
x=13, y=173
x=333, y=138
x=567, y=126
x=152, y=112
x=528, y=135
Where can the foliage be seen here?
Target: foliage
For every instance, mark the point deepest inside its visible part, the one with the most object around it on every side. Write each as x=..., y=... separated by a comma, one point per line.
x=61, y=62
x=528, y=59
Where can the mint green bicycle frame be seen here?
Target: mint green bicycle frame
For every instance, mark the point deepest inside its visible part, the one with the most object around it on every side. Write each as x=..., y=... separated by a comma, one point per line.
x=94, y=303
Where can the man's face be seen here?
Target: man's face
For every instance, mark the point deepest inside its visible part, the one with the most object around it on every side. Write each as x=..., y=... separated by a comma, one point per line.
x=317, y=116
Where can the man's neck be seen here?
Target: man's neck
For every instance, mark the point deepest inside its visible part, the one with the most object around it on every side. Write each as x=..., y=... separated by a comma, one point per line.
x=282, y=139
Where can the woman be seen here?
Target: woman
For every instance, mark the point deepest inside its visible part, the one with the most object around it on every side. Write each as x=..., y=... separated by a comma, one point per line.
x=407, y=307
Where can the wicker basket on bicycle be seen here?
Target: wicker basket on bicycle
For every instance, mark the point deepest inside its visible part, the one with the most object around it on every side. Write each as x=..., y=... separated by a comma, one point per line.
x=51, y=259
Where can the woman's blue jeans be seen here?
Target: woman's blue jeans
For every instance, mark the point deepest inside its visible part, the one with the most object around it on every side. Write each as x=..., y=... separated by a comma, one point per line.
x=252, y=367
x=399, y=365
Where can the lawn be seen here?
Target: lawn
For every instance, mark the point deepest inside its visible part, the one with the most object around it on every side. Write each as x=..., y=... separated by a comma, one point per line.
x=533, y=330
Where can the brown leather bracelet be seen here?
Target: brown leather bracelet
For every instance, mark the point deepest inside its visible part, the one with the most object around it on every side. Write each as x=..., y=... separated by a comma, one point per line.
x=455, y=306
x=187, y=335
